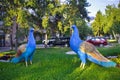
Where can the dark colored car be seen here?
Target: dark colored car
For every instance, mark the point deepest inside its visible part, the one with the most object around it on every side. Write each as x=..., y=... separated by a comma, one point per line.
x=62, y=41
x=98, y=41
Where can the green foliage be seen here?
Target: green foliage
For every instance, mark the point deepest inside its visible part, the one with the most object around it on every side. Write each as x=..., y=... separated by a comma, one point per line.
x=54, y=64
x=84, y=30
x=110, y=51
x=117, y=60
x=16, y=9
x=97, y=25
x=45, y=21
x=7, y=21
x=21, y=18
x=64, y=15
x=108, y=23
x=30, y=3
x=60, y=26
x=50, y=6
x=110, y=15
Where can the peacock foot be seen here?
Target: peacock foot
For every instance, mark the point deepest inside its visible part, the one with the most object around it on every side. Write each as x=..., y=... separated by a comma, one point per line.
x=31, y=62
x=82, y=65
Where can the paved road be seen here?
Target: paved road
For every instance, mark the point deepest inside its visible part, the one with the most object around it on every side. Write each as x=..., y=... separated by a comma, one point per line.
x=3, y=49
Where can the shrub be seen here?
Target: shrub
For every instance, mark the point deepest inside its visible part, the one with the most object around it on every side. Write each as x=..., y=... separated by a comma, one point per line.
x=110, y=51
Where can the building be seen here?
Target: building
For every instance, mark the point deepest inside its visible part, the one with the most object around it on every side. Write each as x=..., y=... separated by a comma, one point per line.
x=2, y=38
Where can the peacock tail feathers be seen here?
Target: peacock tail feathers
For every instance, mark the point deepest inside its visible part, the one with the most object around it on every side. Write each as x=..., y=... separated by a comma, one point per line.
x=91, y=50
x=20, y=50
x=16, y=59
x=102, y=63
x=95, y=56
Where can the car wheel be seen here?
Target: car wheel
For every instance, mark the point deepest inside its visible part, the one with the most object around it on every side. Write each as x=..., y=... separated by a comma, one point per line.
x=101, y=45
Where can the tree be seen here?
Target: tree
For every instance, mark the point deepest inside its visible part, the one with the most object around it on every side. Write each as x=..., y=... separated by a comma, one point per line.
x=108, y=23
x=75, y=13
x=15, y=15
x=49, y=15
x=112, y=20
x=98, y=25
x=84, y=30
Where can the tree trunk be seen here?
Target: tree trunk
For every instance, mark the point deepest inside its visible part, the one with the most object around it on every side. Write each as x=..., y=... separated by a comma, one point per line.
x=119, y=39
x=46, y=40
x=11, y=42
x=114, y=34
x=14, y=33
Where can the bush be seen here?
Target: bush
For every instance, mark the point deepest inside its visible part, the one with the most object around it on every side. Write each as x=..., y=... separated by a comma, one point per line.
x=110, y=51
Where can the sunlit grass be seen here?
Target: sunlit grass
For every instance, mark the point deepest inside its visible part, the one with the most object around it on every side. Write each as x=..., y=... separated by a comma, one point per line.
x=112, y=40
x=54, y=64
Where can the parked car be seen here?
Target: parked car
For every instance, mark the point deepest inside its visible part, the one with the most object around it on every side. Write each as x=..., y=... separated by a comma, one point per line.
x=62, y=41
x=98, y=41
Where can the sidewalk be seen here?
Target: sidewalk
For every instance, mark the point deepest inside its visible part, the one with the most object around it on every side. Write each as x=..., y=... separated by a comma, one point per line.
x=40, y=46
x=2, y=49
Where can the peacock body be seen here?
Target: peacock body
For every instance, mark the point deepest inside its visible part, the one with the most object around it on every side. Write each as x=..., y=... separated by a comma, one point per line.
x=86, y=50
x=26, y=51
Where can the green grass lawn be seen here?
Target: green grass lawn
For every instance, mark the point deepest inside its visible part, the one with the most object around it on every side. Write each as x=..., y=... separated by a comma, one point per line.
x=54, y=64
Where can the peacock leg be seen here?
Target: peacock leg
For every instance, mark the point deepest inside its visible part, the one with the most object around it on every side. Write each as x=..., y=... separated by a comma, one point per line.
x=26, y=59
x=31, y=57
x=82, y=57
x=26, y=63
x=82, y=65
x=30, y=62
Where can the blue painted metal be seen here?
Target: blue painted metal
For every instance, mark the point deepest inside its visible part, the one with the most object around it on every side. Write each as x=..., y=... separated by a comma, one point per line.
x=30, y=48
x=75, y=45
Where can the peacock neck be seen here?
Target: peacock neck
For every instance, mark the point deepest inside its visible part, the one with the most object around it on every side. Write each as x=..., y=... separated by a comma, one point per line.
x=31, y=39
x=75, y=40
x=76, y=34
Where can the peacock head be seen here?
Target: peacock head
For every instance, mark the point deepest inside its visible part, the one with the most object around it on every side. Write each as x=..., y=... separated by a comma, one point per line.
x=75, y=30
x=73, y=27
x=31, y=29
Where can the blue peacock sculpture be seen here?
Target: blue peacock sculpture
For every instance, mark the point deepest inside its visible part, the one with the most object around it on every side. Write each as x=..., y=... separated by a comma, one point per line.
x=26, y=51
x=88, y=51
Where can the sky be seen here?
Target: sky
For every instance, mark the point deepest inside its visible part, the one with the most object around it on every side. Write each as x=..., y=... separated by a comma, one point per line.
x=97, y=5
